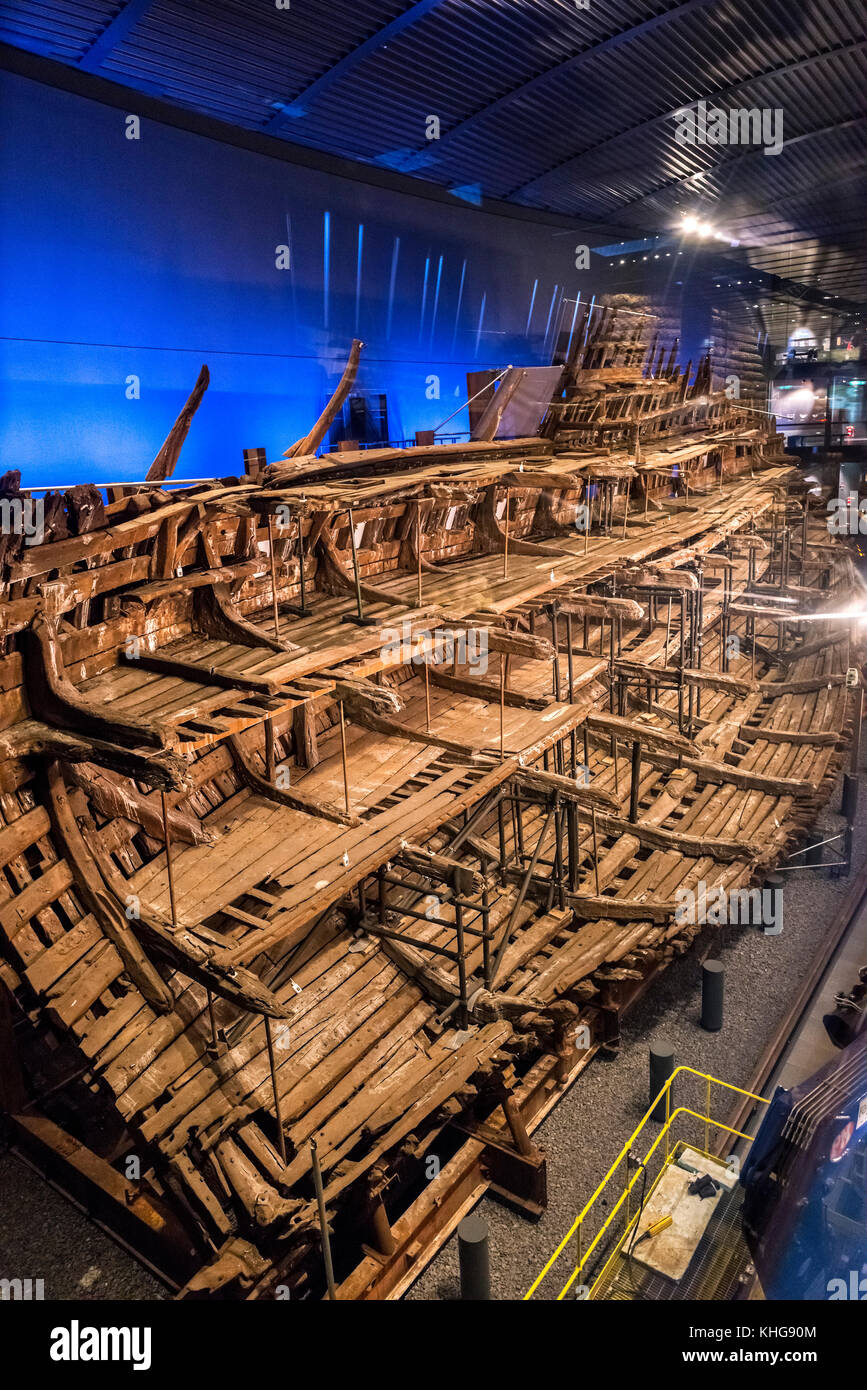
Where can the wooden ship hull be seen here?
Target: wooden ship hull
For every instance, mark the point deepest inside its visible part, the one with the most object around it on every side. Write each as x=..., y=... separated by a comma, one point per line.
x=346, y=806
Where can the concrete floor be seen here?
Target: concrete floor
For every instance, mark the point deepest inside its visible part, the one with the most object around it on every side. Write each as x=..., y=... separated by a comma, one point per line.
x=42, y=1235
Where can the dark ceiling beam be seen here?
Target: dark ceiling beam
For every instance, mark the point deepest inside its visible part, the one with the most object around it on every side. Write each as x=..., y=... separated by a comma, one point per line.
x=114, y=33
x=568, y=65
x=723, y=166
x=300, y=104
x=712, y=97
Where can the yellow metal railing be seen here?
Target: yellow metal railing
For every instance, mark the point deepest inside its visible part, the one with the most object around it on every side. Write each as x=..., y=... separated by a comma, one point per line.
x=576, y=1231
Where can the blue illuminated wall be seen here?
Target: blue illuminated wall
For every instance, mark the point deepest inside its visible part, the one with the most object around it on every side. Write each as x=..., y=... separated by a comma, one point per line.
x=141, y=259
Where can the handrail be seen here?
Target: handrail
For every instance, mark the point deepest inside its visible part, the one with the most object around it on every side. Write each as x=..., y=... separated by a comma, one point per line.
x=664, y=1093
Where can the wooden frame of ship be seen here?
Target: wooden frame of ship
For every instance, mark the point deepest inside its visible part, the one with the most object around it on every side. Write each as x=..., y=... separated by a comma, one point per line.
x=306, y=922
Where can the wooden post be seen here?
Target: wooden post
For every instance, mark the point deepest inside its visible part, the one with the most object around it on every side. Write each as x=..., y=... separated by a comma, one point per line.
x=636, y=778
x=383, y=1236
x=626, y=512
x=214, y=1045
x=269, y=749
x=273, y=577
x=595, y=850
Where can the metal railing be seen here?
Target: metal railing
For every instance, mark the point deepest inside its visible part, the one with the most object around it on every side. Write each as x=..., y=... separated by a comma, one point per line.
x=660, y=1148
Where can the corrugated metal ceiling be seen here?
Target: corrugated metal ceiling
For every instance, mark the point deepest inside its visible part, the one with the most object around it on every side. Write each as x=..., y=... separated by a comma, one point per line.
x=545, y=103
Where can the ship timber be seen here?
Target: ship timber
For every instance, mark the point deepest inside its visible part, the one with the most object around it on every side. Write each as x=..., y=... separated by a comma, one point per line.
x=345, y=806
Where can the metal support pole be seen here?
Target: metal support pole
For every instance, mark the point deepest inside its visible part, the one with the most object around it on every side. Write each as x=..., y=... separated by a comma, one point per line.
x=301, y=610
x=486, y=937
x=635, y=783
x=501, y=829
x=558, y=855
x=343, y=757
x=273, y=577
x=281, y=1138
x=427, y=694
x=358, y=618
x=506, y=535
x=522, y=893
x=418, y=549
x=462, y=964
x=323, y=1221
x=502, y=705
x=167, y=839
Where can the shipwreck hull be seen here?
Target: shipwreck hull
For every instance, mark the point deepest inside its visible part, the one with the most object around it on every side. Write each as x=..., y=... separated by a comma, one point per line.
x=287, y=895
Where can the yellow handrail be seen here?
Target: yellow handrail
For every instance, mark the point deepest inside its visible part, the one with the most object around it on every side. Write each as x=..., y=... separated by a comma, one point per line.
x=665, y=1093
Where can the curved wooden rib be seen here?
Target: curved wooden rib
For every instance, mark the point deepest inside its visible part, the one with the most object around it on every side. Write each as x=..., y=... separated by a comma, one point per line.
x=163, y=465
x=215, y=615
x=296, y=801
x=90, y=884
x=55, y=699
x=490, y=536
x=310, y=443
x=334, y=579
x=409, y=534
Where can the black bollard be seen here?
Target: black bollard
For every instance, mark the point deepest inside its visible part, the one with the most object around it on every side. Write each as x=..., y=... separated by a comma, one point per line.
x=772, y=905
x=474, y=1261
x=849, y=804
x=661, y=1067
x=712, y=993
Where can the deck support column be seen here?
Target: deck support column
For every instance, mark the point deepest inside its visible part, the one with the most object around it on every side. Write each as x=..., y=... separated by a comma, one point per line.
x=358, y=617
x=634, y=786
